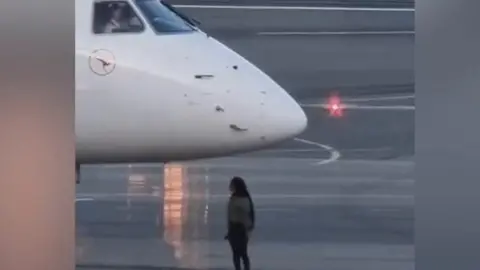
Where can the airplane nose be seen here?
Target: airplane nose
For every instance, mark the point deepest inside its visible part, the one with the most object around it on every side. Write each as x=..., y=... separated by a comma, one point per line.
x=300, y=122
x=294, y=121
x=286, y=119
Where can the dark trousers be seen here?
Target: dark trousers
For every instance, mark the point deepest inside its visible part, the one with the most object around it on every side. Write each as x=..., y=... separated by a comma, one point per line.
x=238, y=239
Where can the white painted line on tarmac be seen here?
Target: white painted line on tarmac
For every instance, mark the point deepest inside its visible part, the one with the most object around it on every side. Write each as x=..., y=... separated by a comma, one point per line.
x=293, y=150
x=241, y=7
x=84, y=199
x=336, y=33
x=379, y=98
x=386, y=210
x=364, y=107
x=334, y=154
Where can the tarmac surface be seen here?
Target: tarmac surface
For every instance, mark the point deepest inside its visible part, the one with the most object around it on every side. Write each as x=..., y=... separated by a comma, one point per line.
x=345, y=215
x=338, y=197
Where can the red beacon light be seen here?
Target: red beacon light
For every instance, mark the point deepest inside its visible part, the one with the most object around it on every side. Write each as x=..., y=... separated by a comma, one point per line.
x=334, y=106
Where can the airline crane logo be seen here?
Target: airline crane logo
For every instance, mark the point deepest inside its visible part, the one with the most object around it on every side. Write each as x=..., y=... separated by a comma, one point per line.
x=102, y=62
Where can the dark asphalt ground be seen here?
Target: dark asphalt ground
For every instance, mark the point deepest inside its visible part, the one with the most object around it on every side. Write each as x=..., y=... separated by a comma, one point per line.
x=358, y=134
x=253, y=20
x=359, y=213
x=315, y=210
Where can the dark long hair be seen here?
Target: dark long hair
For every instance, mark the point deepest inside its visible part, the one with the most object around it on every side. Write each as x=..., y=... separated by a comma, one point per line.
x=241, y=190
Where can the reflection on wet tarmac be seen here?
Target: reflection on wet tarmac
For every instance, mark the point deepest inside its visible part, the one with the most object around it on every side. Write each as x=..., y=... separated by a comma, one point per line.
x=342, y=215
x=177, y=215
x=173, y=208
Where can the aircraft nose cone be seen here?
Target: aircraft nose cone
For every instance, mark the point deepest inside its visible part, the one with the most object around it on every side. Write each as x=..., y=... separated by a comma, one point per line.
x=293, y=119
x=299, y=121
x=287, y=119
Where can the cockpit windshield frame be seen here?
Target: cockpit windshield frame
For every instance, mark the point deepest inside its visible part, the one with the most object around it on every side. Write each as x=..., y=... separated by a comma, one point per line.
x=167, y=20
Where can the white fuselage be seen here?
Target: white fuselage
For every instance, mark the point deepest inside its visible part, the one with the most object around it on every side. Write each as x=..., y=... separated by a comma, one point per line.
x=153, y=104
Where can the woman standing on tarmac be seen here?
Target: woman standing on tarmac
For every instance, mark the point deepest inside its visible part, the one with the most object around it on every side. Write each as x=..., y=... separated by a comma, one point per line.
x=241, y=221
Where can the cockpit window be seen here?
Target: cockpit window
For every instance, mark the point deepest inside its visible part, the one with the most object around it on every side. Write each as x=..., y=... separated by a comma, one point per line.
x=163, y=18
x=115, y=17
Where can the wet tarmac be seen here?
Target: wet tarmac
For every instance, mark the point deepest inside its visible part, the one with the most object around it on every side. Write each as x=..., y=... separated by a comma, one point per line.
x=342, y=215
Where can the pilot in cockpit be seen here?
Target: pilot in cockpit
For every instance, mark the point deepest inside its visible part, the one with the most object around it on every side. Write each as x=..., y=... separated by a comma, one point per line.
x=116, y=21
x=122, y=18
